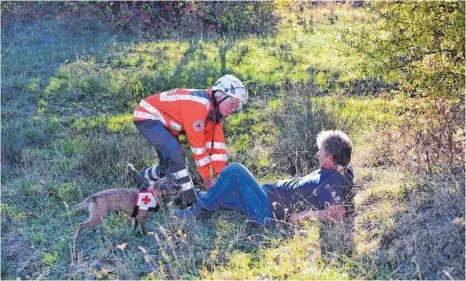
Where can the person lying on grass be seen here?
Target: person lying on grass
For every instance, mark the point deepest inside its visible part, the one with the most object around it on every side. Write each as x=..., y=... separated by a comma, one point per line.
x=318, y=195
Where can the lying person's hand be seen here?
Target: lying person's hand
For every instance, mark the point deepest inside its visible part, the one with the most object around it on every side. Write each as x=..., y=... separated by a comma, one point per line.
x=305, y=215
x=208, y=183
x=331, y=212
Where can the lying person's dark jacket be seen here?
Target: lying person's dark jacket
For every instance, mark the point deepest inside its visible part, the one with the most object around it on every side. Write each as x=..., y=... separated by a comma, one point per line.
x=312, y=192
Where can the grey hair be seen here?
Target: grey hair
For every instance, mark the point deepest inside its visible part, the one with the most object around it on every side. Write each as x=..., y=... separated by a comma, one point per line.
x=338, y=144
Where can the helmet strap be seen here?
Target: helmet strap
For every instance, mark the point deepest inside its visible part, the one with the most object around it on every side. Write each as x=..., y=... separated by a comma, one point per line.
x=216, y=117
x=220, y=117
x=224, y=98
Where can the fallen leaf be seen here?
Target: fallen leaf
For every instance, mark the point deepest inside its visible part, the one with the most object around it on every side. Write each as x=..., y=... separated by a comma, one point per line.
x=122, y=246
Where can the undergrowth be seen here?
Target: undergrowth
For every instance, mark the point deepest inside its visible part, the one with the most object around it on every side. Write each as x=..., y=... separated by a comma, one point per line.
x=70, y=83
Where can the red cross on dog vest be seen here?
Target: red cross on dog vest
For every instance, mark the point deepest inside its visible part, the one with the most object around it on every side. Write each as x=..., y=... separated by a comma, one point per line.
x=145, y=200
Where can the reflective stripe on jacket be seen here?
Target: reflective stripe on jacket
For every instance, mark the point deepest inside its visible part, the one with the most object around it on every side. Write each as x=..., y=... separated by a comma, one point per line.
x=187, y=110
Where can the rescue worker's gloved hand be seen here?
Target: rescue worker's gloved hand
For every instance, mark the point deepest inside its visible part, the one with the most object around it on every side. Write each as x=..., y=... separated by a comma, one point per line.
x=208, y=183
x=142, y=183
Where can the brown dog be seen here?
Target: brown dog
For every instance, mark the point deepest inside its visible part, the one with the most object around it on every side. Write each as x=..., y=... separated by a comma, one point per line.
x=121, y=199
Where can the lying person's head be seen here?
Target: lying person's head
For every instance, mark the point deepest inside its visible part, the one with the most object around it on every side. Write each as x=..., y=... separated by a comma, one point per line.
x=334, y=149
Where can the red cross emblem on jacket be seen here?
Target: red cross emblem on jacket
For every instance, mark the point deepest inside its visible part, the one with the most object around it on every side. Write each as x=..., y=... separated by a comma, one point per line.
x=198, y=125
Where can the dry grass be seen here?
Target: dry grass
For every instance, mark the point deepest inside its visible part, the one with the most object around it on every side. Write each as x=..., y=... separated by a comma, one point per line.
x=410, y=208
x=431, y=232
x=409, y=214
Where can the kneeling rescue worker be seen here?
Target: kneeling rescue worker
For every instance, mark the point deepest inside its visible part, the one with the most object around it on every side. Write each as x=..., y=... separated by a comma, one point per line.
x=199, y=114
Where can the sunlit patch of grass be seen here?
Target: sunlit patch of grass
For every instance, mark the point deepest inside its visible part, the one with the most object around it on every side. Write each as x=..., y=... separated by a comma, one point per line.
x=388, y=187
x=114, y=123
x=131, y=72
x=56, y=85
x=256, y=61
x=298, y=257
x=378, y=205
x=314, y=36
x=121, y=123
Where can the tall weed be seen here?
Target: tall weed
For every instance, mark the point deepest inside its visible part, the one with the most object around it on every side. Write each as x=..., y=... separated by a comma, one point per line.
x=299, y=121
x=106, y=158
x=428, y=138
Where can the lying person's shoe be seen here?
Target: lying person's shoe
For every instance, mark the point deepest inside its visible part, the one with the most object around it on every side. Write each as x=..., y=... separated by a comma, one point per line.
x=192, y=212
x=200, y=192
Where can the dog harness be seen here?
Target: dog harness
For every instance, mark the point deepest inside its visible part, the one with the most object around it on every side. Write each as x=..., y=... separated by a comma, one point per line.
x=145, y=200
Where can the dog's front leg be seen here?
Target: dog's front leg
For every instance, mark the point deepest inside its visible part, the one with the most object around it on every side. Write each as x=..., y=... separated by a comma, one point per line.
x=143, y=229
x=141, y=218
x=135, y=223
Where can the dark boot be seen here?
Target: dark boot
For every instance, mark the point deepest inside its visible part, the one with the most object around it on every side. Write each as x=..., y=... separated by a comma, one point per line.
x=186, y=198
x=192, y=212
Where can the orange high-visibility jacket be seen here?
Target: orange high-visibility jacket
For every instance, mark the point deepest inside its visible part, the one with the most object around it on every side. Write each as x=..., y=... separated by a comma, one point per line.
x=187, y=110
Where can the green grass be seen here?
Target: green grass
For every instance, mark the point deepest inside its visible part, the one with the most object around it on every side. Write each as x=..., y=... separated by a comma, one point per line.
x=298, y=257
x=129, y=72
x=67, y=101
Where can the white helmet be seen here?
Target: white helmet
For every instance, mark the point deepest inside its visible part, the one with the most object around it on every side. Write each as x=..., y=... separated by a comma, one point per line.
x=231, y=86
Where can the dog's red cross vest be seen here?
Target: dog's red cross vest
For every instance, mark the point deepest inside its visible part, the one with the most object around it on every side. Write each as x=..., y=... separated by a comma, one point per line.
x=145, y=200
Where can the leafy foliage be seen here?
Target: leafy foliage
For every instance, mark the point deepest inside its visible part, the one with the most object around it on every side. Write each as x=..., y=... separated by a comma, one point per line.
x=419, y=44
x=160, y=19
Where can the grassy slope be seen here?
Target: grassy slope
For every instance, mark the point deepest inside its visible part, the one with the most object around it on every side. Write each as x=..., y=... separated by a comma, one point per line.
x=67, y=98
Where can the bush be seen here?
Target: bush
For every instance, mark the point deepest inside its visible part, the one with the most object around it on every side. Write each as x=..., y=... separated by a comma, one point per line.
x=428, y=138
x=156, y=19
x=299, y=121
x=419, y=44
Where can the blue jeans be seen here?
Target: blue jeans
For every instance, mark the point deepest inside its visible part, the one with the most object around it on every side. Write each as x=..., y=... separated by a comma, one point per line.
x=237, y=187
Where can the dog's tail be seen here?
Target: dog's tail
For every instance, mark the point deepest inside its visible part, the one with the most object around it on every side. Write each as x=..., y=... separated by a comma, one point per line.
x=86, y=202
